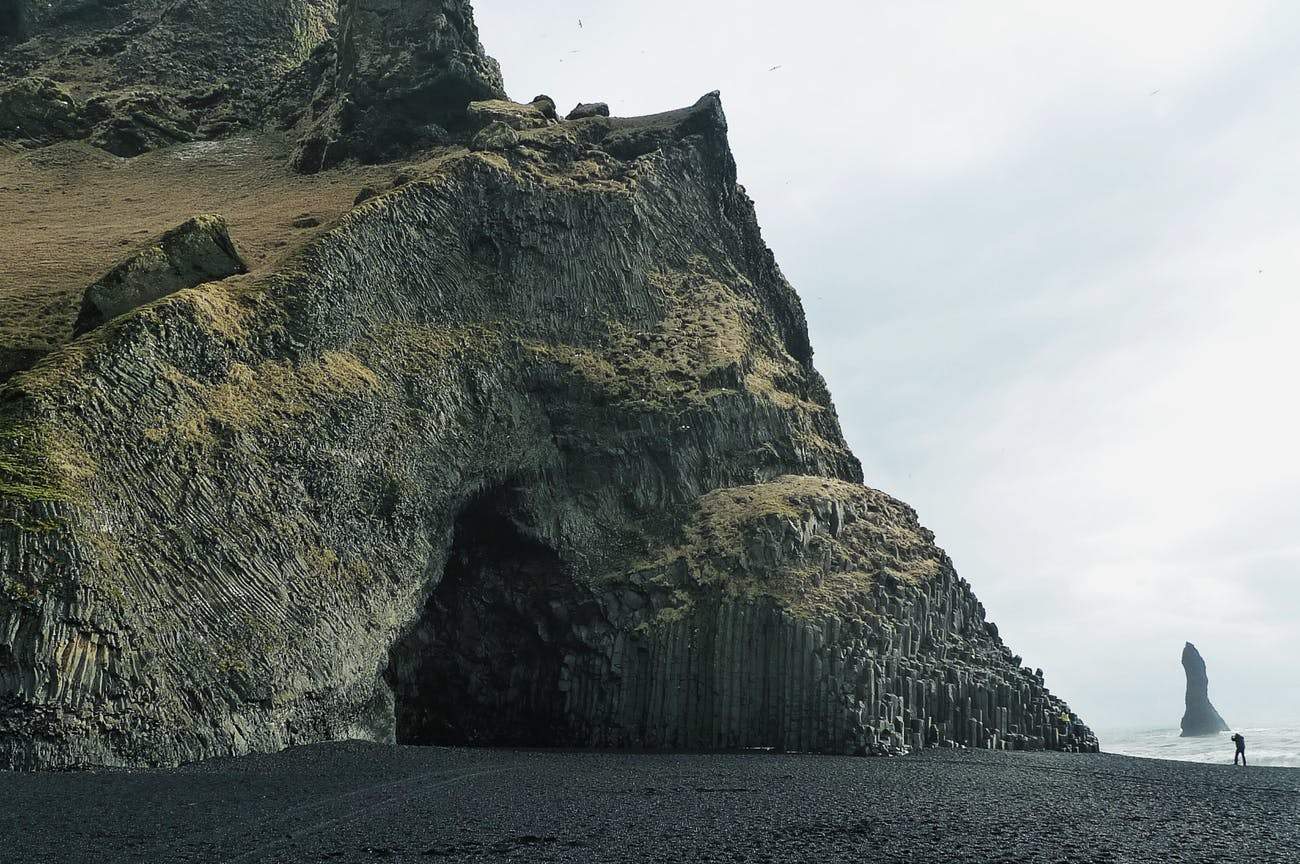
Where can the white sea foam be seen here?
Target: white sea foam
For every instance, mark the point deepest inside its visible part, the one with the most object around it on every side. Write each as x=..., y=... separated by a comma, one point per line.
x=1265, y=745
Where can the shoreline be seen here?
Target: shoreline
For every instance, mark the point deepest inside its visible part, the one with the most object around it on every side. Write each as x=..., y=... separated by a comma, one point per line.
x=1271, y=746
x=353, y=801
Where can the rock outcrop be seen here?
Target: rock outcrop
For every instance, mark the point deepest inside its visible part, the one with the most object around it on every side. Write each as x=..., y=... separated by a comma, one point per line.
x=529, y=449
x=139, y=122
x=403, y=76
x=143, y=74
x=1200, y=718
x=36, y=111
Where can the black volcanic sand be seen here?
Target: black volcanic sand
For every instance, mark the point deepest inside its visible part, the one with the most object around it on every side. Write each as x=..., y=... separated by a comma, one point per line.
x=364, y=802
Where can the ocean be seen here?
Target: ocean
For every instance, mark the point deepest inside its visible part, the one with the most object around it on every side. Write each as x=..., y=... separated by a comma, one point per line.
x=1265, y=745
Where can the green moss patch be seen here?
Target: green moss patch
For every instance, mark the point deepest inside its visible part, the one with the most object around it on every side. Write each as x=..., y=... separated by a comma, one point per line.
x=815, y=545
x=34, y=461
x=270, y=393
x=711, y=340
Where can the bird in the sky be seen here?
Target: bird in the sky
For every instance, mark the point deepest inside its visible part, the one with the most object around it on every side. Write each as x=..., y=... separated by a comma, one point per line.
x=774, y=68
x=1154, y=92
x=579, y=23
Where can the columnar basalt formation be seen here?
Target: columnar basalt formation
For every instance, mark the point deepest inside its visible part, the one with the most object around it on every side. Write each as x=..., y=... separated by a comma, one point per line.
x=1200, y=718
x=528, y=449
x=735, y=664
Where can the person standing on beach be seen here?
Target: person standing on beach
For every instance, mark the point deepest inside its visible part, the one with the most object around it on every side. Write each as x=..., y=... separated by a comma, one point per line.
x=1240, y=741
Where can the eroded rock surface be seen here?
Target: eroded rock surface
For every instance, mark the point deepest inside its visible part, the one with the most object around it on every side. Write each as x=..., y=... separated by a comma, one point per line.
x=1200, y=718
x=529, y=449
x=36, y=111
x=152, y=73
x=403, y=77
x=139, y=121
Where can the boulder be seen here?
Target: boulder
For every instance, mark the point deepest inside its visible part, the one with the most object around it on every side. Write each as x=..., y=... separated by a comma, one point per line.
x=1200, y=718
x=198, y=251
x=588, y=109
x=546, y=105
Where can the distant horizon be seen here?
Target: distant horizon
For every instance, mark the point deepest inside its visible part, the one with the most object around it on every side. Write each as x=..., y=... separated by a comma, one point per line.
x=1173, y=727
x=1047, y=262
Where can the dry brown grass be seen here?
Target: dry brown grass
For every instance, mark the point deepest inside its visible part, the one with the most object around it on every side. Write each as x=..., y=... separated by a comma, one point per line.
x=69, y=212
x=268, y=395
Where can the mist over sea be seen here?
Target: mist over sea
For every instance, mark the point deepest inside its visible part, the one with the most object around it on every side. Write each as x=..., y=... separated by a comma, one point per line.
x=1265, y=745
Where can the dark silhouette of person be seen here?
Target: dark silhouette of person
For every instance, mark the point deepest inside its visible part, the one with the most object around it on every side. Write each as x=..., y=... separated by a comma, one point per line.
x=1240, y=741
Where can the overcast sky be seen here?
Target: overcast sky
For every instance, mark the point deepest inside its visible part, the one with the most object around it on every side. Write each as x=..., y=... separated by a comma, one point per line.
x=1048, y=253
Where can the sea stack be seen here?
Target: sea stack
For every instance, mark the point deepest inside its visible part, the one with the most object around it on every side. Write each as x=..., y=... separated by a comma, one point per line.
x=1200, y=717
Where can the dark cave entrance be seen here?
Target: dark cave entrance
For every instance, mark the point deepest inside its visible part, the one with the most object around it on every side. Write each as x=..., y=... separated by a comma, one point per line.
x=483, y=663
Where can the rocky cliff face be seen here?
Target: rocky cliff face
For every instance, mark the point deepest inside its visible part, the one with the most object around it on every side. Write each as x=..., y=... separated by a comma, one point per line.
x=528, y=449
x=1200, y=718
x=130, y=76
x=402, y=76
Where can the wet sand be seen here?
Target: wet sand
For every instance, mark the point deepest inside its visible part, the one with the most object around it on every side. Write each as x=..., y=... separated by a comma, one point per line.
x=365, y=802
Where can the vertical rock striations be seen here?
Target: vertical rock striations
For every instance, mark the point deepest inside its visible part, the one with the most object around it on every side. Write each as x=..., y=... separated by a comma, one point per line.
x=1200, y=718
x=528, y=450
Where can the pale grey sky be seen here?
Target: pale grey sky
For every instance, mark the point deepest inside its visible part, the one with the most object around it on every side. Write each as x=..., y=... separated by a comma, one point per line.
x=1049, y=256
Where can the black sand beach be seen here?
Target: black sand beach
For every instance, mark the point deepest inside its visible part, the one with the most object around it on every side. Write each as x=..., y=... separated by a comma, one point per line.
x=360, y=802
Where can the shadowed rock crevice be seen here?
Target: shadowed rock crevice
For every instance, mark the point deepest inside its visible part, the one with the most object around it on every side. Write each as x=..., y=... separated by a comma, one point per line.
x=486, y=663
x=15, y=20
x=14, y=360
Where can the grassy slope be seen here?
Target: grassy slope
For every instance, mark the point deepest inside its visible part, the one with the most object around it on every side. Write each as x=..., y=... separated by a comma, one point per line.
x=71, y=212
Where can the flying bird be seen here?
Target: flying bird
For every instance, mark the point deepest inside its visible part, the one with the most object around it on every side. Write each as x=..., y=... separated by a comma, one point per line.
x=774, y=68
x=579, y=23
x=1154, y=92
